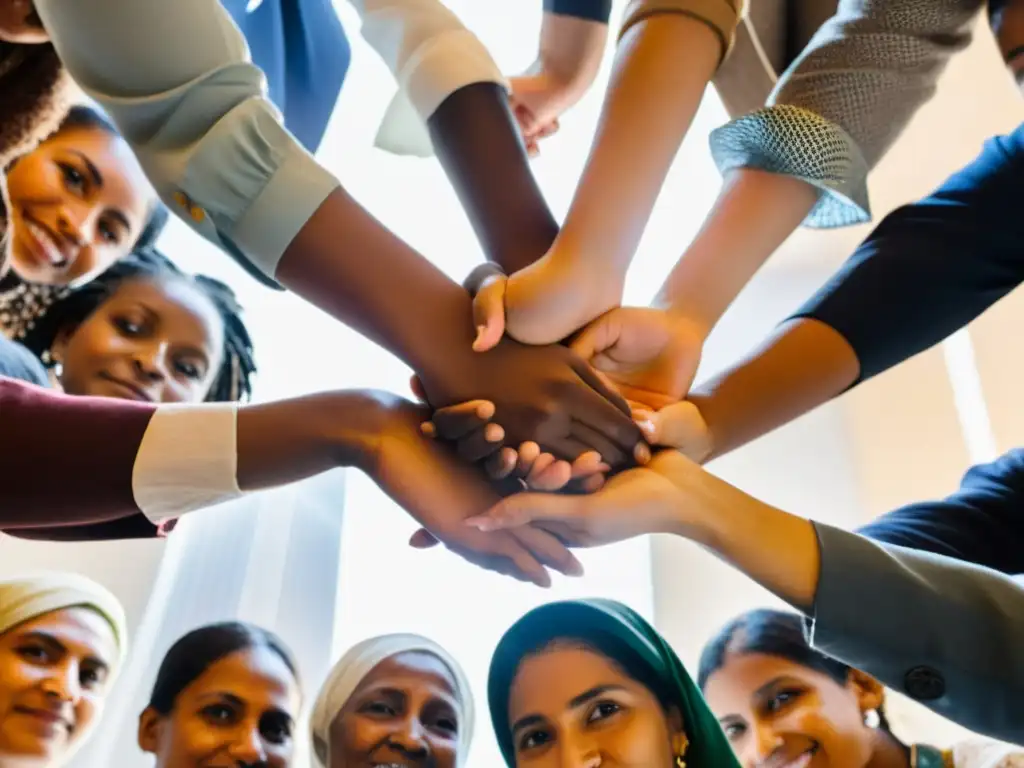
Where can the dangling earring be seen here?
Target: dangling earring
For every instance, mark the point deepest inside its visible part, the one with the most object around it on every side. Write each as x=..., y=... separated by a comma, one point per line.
x=680, y=761
x=872, y=719
x=681, y=757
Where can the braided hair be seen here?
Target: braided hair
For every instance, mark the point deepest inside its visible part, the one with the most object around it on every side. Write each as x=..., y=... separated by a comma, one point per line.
x=772, y=633
x=35, y=92
x=36, y=315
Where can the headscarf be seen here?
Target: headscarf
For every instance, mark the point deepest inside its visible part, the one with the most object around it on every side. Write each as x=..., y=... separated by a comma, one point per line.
x=606, y=623
x=24, y=598
x=360, y=660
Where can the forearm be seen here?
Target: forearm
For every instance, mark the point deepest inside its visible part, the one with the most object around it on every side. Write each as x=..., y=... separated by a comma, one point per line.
x=774, y=548
x=802, y=365
x=478, y=143
x=755, y=213
x=662, y=66
x=570, y=51
x=287, y=441
x=349, y=265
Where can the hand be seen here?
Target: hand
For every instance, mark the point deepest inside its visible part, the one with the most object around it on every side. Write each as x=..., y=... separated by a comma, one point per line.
x=650, y=355
x=679, y=426
x=547, y=395
x=439, y=491
x=650, y=499
x=477, y=439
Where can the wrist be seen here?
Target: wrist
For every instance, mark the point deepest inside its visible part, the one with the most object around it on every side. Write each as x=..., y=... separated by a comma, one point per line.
x=351, y=425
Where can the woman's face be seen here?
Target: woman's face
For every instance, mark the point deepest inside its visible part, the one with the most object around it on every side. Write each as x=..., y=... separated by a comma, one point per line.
x=404, y=713
x=53, y=681
x=76, y=204
x=574, y=707
x=778, y=713
x=240, y=711
x=19, y=23
x=1009, y=32
x=155, y=340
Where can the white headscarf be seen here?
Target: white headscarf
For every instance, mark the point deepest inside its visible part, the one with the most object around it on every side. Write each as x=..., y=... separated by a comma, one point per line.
x=360, y=660
x=27, y=597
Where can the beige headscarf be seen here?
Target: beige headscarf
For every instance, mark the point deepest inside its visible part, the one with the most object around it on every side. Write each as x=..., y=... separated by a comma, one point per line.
x=23, y=598
x=360, y=660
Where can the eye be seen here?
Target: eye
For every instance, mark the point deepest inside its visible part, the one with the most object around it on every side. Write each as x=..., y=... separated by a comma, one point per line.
x=447, y=724
x=91, y=677
x=603, y=710
x=36, y=653
x=734, y=730
x=276, y=730
x=127, y=326
x=188, y=370
x=781, y=700
x=379, y=708
x=73, y=178
x=219, y=714
x=534, y=739
x=109, y=233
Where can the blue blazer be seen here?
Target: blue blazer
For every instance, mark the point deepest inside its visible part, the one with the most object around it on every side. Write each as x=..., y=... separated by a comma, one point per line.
x=301, y=47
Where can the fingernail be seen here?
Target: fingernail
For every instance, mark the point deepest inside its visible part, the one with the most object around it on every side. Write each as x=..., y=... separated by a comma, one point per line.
x=479, y=335
x=481, y=523
x=642, y=453
x=646, y=426
x=575, y=570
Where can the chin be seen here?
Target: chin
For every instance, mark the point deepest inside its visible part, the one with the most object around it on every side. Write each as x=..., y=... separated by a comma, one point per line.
x=31, y=271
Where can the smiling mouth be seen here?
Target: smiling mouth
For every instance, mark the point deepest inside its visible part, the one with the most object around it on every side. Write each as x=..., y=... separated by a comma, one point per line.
x=800, y=761
x=47, y=717
x=132, y=391
x=46, y=245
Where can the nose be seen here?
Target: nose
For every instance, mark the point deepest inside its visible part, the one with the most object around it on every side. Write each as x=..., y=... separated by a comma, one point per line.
x=64, y=684
x=411, y=738
x=72, y=225
x=248, y=748
x=150, y=361
x=766, y=742
x=579, y=753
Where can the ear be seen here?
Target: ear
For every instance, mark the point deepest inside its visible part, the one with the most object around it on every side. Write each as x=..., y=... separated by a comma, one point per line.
x=60, y=344
x=869, y=692
x=677, y=732
x=150, y=730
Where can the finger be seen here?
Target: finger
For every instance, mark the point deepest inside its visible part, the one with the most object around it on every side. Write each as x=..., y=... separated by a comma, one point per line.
x=459, y=421
x=548, y=550
x=589, y=463
x=501, y=464
x=528, y=454
x=481, y=273
x=532, y=148
x=595, y=338
x=525, y=563
x=594, y=412
x=423, y=539
x=550, y=478
x=489, y=313
x=547, y=129
x=609, y=452
x=568, y=447
x=679, y=426
x=481, y=443
x=525, y=508
x=417, y=388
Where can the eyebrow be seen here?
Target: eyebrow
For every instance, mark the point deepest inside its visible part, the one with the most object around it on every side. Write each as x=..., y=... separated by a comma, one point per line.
x=236, y=700
x=97, y=179
x=576, y=701
x=771, y=685
x=51, y=641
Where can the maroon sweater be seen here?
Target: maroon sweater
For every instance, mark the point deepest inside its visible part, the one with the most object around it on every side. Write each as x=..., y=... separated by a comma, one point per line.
x=66, y=465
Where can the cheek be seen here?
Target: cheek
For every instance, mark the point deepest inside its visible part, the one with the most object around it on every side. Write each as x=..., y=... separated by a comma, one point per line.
x=444, y=750
x=642, y=740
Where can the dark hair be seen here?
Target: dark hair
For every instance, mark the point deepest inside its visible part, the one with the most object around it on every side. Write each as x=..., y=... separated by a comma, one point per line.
x=34, y=91
x=773, y=633
x=197, y=651
x=50, y=313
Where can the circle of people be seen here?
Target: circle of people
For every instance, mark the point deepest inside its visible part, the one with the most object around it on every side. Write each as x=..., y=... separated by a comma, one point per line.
x=547, y=418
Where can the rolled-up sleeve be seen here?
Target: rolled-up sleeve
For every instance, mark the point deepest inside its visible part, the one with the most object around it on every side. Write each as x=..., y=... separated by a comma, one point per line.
x=721, y=15
x=945, y=632
x=847, y=98
x=176, y=79
x=432, y=55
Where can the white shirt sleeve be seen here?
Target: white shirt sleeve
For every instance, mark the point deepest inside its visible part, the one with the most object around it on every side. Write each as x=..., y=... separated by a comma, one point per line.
x=432, y=55
x=188, y=460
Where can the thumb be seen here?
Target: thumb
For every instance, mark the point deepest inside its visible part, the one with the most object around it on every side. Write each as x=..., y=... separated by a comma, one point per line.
x=596, y=337
x=423, y=539
x=525, y=508
x=489, y=313
x=679, y=426
x=417, y=388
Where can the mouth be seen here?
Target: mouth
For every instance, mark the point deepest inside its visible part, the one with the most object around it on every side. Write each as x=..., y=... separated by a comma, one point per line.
x=129, y=391
x=44, y=244
x=799, y=761
x=51, y=719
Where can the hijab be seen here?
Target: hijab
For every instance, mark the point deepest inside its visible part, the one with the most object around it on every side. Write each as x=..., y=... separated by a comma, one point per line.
x=24, y=598
x=634, y=644
x=361, y=659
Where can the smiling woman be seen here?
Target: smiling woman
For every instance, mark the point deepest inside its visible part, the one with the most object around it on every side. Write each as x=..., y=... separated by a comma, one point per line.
x=394, y=700
x=62, y=639
x=142, y=330
x=77, y=203
x=225, y=694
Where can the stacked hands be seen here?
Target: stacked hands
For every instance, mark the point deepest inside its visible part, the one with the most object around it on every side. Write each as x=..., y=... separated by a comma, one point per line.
x=640, y=360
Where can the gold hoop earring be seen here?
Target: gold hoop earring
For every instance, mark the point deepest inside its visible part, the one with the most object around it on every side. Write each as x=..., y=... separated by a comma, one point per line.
x=680, y=761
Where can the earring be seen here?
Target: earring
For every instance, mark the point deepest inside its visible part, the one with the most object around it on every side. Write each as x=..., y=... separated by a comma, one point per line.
x=871, y=718
x=680, y=761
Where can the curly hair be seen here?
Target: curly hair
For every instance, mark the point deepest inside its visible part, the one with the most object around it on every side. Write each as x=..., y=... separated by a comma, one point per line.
x=35, y=91
x=36, y=316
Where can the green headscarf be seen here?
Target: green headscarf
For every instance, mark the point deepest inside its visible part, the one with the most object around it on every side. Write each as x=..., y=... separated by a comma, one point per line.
x=620, y=631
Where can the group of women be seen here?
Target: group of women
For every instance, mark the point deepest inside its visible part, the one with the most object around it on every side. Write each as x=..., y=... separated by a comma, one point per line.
x=572, y=683
x=91, y=310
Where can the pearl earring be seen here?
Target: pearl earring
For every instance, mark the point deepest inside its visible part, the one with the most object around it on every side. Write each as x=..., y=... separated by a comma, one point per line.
x=871, y=718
